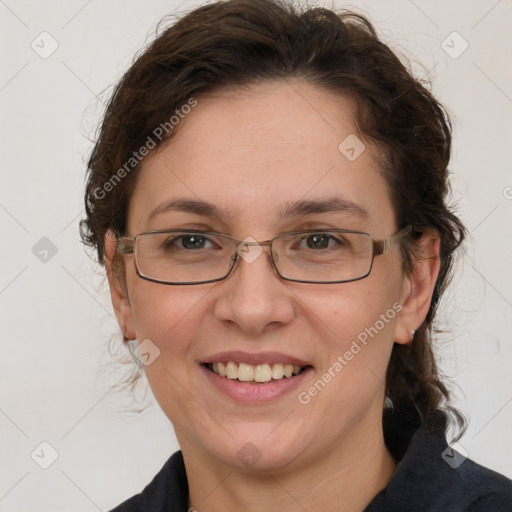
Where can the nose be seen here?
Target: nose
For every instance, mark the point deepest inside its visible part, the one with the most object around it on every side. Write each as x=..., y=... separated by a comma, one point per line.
x=253, y=296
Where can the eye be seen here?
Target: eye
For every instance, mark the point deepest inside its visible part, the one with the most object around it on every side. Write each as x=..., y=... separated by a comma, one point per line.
x=321, y=241
x=188, y=241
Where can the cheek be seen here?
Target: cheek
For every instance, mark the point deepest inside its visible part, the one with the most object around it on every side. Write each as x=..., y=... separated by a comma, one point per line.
x=355, y=349
x=166, y=315
x=347, y=311
x=170, y=318
x=358, y=334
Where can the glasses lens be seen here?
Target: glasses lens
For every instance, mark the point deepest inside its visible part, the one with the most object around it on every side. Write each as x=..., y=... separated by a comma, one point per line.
x=177, y=257
x=324, y=256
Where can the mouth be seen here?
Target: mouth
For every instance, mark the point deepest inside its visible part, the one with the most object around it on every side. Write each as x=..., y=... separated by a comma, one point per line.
x=255, y=378
x=255, y=374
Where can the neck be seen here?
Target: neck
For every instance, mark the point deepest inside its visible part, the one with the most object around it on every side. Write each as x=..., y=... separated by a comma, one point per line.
x=344, y=478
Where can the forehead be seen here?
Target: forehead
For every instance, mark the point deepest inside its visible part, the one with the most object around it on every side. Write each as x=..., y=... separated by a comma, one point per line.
x=252, y=152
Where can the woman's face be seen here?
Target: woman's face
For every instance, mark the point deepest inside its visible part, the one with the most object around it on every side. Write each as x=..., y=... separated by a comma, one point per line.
x=251, y=154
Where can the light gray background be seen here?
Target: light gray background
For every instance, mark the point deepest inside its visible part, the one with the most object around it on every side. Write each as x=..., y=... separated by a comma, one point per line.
x=56, y=315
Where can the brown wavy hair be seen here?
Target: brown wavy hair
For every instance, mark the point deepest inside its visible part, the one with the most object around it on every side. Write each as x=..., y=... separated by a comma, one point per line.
x=244, y=42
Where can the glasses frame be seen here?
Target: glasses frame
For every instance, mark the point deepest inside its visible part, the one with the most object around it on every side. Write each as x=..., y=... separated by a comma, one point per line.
x=128, y=245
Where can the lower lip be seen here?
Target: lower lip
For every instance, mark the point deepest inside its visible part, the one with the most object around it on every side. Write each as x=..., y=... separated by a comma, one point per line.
x=255, y=393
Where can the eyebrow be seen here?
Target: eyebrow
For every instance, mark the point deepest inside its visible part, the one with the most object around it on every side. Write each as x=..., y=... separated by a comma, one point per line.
x=327, y=205
x=196, y=206
x=298, y=208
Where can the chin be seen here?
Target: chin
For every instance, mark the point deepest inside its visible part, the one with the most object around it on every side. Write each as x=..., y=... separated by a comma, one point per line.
x=257, y=451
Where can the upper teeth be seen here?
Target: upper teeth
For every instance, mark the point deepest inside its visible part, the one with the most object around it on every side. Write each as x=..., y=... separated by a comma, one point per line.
x=258, y=373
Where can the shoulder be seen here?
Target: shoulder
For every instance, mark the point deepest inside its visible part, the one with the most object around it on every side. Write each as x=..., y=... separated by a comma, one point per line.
x=168, y=491
x=451, y=481
x=434, y=477
x=485, y=489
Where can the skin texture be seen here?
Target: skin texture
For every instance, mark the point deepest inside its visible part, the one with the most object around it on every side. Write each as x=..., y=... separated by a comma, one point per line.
x=248, y=151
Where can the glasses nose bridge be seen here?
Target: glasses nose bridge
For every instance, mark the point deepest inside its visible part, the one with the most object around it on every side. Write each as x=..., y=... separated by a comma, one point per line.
x=248, y=242
x=243, y=243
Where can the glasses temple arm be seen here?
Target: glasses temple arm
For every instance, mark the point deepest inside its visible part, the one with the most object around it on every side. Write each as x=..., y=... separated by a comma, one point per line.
x=125, y=245
x=381, y=246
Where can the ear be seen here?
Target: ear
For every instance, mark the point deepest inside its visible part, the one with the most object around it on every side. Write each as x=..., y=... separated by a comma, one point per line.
x=118, y=289
x=418, y=287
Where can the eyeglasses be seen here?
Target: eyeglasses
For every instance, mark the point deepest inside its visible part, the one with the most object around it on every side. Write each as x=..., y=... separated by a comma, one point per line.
x=183, y=257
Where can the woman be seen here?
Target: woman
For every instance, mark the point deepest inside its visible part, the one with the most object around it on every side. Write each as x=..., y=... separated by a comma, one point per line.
x=268, y=197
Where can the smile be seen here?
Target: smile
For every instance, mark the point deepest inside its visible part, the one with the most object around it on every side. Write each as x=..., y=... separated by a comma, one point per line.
x=255, y=377
x=254, y=374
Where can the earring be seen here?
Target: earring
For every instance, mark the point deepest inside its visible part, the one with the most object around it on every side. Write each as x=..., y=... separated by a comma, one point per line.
x=413, y=332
